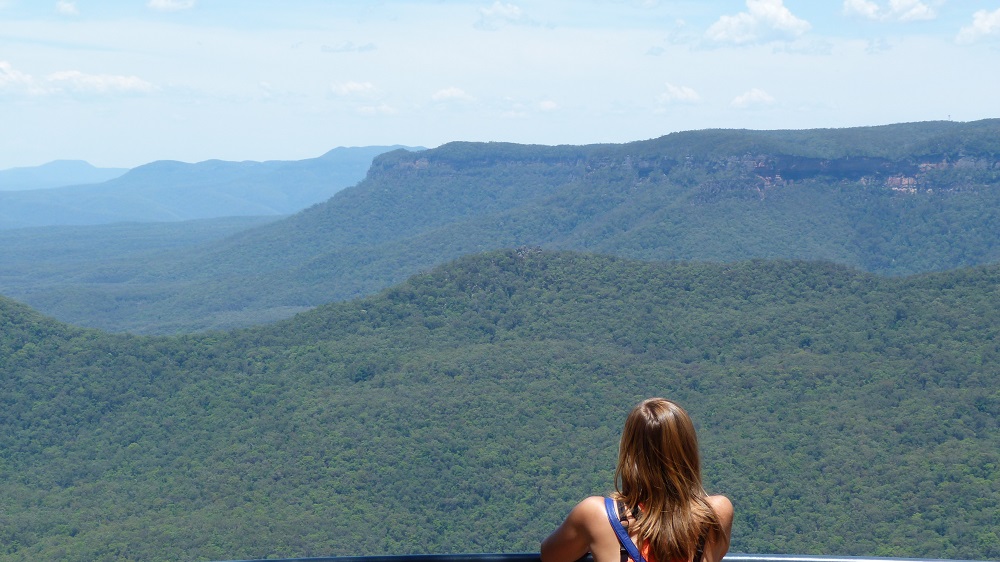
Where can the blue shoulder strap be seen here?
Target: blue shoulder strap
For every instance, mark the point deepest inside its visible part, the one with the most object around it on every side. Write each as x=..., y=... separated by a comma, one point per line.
x=623, y=538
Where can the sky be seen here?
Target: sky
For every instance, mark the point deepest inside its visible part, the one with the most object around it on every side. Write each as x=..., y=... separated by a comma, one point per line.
x=120, y=83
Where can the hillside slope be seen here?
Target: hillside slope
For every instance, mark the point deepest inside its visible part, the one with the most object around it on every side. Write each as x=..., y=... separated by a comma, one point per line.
x=55, y=174
x=467, y=409
x=892, y=200
x=177, y=191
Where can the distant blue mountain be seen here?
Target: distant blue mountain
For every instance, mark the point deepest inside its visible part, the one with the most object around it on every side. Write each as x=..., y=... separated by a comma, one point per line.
x=175, y=191
x=892, y=200
x=57, y=173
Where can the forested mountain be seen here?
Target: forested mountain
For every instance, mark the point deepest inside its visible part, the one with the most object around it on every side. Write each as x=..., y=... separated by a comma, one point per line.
x=55, y=174
x=177, y=191
x=468, y=408
x=892, y=200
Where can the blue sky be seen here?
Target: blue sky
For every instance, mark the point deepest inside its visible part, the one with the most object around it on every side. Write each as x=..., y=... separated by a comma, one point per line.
x=122, y=83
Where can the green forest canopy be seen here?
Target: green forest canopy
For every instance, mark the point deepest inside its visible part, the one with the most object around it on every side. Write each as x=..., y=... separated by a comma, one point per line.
x=468, y=408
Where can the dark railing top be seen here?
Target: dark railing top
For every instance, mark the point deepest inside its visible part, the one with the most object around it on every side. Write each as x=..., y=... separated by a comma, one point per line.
x=533, y=557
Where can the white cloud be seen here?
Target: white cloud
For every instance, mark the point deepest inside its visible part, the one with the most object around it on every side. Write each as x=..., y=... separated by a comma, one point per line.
x=70, y=82
x=808, y=46
x=752, y=98
x=366, y=97
x=763, y=19
x=862, y=8
x=380, y=109
x=77, y=82
x=355, y=89
x=515, y=109
x=451, y=94
x=548, y=105
x=897, y=10
x=504, y=11
x=878, y=45
x=170, y=5
x=499, y=13
x=67, y=8
x=267, y=88
x=348, y=47
x=15, y=81
x=984, y=23
x=271, y=92
x=911, y=10
x=681, y=94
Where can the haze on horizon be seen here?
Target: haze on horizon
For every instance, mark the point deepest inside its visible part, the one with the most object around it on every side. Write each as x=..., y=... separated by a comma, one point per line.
x=122, y=83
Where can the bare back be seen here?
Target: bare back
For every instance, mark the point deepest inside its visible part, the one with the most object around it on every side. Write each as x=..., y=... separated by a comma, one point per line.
x=587, y=529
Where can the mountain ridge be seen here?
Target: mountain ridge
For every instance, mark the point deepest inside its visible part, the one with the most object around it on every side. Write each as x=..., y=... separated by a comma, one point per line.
x=56, y=173
x=892, y=199
x=169, y=190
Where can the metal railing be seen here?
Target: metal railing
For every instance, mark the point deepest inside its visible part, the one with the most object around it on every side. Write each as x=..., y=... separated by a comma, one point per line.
x=533, y=557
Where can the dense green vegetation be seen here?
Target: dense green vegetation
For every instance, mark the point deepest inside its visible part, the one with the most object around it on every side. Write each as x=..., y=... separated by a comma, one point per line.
x=468, y=408
x=892, y=200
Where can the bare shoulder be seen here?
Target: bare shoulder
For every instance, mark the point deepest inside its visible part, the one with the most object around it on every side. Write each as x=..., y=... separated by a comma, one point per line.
x=591, y=517
x=582, y=531
x=593, y=503
x=721, y=506
x=718, y=543
x=590, y=510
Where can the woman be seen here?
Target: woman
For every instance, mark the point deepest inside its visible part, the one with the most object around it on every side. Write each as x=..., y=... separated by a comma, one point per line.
x=660, y=501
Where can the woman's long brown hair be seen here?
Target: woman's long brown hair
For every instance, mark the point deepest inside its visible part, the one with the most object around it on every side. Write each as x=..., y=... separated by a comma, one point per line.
x=660, y=472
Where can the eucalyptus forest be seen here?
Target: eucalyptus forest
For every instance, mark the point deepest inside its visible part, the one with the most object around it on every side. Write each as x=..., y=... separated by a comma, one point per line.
x=439, y=359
